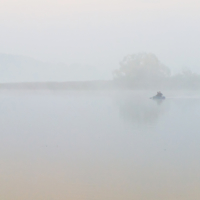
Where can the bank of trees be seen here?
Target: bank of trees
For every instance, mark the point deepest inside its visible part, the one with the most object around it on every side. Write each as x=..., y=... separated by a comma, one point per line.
x=145, y=71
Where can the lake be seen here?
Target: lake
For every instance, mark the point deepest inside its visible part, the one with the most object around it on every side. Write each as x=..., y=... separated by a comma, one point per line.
x=68, y=145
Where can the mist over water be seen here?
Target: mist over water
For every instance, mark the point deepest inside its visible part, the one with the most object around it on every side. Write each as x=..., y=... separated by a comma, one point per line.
x=76, y=118
x=99, y=145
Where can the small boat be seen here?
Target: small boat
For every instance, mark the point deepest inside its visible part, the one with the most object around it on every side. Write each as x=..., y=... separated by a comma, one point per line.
x=159, y=96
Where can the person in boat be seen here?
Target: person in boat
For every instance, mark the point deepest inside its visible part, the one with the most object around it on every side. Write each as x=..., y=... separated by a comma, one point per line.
x=159, y=94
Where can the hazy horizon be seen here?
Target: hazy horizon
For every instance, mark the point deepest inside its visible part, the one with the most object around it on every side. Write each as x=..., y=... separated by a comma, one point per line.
x=18, y=68
x=101, y=33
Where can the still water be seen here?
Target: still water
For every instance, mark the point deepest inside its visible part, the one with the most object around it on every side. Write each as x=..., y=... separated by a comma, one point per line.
x=99, y=146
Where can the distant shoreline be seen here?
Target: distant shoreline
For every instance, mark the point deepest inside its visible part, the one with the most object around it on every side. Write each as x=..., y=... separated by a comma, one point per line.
x=68, y=85
x=84, y=86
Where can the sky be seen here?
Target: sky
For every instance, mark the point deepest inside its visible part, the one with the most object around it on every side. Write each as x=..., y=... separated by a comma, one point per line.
x=100, y=33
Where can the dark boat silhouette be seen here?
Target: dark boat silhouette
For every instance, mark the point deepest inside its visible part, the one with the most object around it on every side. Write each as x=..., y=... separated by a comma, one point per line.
x=159, y=96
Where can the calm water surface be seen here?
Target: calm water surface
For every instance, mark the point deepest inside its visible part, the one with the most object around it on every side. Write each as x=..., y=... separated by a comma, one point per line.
x=99, y=146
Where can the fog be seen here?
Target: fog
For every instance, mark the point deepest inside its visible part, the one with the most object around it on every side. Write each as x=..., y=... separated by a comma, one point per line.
x=99, y=34
x=14, y=68
x=78, y=115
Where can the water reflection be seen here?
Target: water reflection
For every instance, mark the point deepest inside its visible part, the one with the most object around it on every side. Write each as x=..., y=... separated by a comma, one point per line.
x=141, y=110
x=159, y=101
x=75, y=146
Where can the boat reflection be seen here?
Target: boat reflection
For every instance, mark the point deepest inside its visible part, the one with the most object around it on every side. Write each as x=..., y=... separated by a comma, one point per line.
x=141, y=110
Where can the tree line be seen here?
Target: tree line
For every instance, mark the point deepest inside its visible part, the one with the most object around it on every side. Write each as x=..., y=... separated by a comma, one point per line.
x=145, y=71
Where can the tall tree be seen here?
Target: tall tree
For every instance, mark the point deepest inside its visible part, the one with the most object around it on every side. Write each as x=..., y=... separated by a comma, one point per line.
x=142, y=69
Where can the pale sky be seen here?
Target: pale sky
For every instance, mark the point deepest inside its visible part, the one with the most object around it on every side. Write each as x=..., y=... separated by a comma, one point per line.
x=100, y=33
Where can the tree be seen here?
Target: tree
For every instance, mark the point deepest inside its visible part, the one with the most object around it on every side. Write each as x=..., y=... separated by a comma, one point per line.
x=141, y=70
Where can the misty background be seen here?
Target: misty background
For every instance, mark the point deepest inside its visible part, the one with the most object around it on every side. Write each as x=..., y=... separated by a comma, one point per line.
x=86, y=40
x=26, y=69
x=81, y=124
